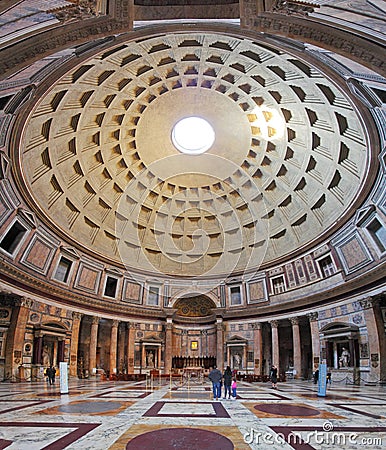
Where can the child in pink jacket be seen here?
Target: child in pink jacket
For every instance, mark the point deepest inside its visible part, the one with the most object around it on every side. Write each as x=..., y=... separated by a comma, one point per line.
x=234, y=388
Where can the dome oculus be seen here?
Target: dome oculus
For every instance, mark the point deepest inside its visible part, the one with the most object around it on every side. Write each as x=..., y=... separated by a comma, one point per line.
x=193, y=135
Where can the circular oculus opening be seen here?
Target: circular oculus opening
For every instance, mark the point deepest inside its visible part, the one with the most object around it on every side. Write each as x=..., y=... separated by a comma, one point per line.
x=193, y=135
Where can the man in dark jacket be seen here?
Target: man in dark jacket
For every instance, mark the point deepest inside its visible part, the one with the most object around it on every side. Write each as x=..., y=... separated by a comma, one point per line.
x=51, y=372
x=227, y=382
x=215, y=376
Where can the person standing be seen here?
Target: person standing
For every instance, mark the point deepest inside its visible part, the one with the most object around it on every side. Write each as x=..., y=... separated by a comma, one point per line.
x=316, y=376
x=227, y=382
x=273, y=376
x=234, y=389
x=215, y=376
x=328, y=378
x=51, y=372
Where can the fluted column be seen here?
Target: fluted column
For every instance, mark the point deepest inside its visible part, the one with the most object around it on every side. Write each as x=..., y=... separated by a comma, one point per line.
x=130, y=347
x=257, y=348
x=297, y=350
x=93, y=345
x=168, y=345
x=275, y=343
x=113, y=347
x=220, y=344
x=315, y=340
x=76, y=320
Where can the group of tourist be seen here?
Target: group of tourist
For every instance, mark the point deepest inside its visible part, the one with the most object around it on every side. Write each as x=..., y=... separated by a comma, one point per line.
x=229, y=380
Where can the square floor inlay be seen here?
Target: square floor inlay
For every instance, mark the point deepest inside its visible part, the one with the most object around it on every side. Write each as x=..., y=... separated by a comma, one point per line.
x=184, y=409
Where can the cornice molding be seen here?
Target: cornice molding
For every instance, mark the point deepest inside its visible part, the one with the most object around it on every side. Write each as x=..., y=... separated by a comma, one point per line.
x=362, y=48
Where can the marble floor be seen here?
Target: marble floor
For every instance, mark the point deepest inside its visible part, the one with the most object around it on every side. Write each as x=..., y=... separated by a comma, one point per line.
x=174, y=414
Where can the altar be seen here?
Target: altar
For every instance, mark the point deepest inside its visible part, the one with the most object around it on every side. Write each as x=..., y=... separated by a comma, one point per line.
x=193, y=372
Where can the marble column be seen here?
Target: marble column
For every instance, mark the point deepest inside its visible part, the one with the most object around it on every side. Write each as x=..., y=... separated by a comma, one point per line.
x=121, y=347
x=93, y=346
x=130, y=347
x=257, y=348
x=73, y=366
x=297, y=349
x=61, y=350
x=335, y=355
x=376, y=336
x=220, y=344
x=157, y=362
x=244, y=361
x=113, y=347
x=38, y=349
x=143, y=356
x=16, y=337
x=315, y=340
x=275, y=343
x=168, y=345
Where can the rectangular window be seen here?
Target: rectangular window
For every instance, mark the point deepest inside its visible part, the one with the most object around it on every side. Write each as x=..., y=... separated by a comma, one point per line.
x=63, y=270
x=235, y=295
x=327, y=266
x=111, y=287
x=278, y=285
x=378, y=234
x=153, y=296
x=250, y=356
x=13, y=238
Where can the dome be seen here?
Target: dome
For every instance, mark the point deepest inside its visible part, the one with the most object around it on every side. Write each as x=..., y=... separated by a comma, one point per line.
x=289, y=156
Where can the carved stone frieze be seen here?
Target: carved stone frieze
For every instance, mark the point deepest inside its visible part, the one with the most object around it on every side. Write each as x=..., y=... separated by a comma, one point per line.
x=50, y=41
x=359, y=49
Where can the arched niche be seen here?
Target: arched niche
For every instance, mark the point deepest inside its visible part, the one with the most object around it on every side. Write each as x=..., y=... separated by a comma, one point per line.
x=194, y=306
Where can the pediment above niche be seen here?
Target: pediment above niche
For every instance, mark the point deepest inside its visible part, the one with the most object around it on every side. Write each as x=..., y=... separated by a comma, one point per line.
x=70, y=252
x=236, y=339
x=363, y=214
x=197, y=306
x=28, y=216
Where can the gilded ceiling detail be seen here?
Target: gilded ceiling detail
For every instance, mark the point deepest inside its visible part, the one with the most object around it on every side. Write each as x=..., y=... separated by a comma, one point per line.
x=199, y=306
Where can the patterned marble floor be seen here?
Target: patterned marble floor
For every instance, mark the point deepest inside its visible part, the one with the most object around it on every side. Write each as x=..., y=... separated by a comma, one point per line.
x=170, y=415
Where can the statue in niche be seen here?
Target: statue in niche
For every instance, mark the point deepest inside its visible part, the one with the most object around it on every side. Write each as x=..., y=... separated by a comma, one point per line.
x=237, y=361
x=150, y=359
x=46, y=356
x=344, y=359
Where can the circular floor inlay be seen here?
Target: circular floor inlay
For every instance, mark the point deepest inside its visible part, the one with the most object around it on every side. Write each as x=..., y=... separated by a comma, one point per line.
x=180, y=438
x=287, y=410
x=90, y=407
